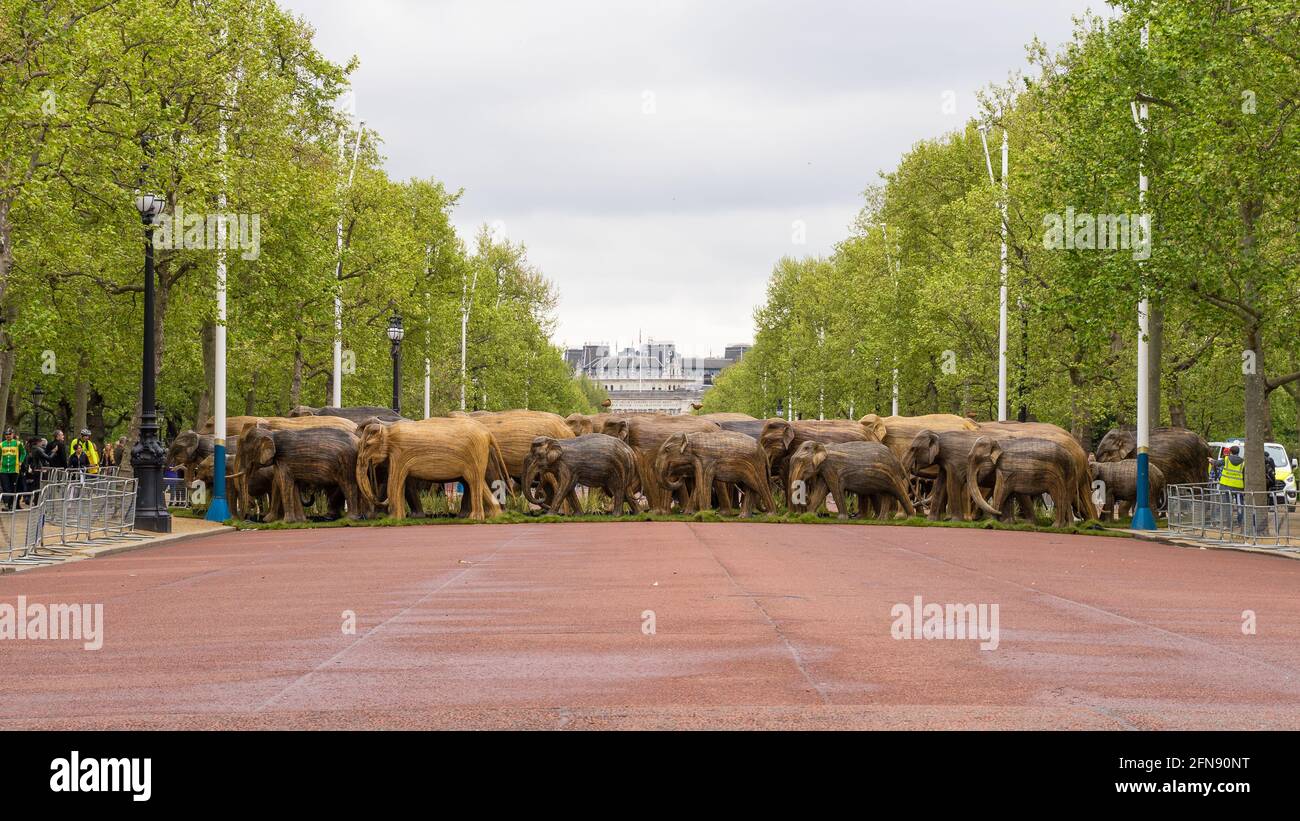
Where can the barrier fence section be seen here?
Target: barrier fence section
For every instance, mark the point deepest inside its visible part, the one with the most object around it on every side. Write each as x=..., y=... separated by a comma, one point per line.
x=54, y=522
x=22, y=526
x=1211, y=514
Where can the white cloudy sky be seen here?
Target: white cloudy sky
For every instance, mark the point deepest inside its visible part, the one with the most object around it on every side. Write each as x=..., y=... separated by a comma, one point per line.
x=653, y=156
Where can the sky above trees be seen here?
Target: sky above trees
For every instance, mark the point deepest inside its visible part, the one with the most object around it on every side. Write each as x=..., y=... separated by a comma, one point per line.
x=657, y=159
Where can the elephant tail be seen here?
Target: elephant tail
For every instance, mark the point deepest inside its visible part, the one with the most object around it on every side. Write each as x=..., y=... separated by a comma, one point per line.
x=499, y=462
x=902, y=492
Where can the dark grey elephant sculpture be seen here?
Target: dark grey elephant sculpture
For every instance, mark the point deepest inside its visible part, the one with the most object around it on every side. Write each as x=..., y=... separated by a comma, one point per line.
x=592, y=460
x=868, y=470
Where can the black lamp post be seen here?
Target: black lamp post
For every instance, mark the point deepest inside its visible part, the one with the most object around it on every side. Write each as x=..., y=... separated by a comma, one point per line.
x=38, y=393
x=395, y=334
x=148, y=454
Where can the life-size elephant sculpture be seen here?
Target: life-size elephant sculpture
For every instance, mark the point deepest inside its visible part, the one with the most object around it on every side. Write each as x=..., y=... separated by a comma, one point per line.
x=355, y=415
x=447, y=449
x=257, y=485
x=781, y=438
x=305, y=460
x=188, y=449
x=645, y=435
x=868, y=470
x=899, y=431
x=1022, y=467
x=592, y=460
x=1082, y=503
x=515, y=430
x=709, y=457
x=1120, y=480
x=1182, y=455
x=236, y=425
x=948, y=452
x=727, y=417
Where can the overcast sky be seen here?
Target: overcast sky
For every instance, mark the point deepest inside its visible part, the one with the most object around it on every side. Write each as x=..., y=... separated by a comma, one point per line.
x=654, y=157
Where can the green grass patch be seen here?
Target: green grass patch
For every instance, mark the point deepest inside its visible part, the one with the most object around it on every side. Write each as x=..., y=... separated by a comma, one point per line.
x=1091, y=528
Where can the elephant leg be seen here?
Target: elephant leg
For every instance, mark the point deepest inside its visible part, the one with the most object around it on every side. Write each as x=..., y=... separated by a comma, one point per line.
x=397, y=478
x=1028, y=507
x=816, y=496
x=959, y=502
x=1061, y=498
x=289, y=497
x=336, y=502
x=413, y=500
x=726, y=494
x=562, y=493
x=840, y=497
x=939, y=498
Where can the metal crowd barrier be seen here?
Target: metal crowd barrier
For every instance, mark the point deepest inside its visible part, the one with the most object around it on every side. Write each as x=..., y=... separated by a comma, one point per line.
x=22, y=527
x=1208, y=513
x=63, y=475
x=89, y=511
x=175, y=492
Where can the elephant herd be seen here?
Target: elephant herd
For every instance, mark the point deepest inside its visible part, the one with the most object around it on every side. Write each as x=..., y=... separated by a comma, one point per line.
x=367, y=462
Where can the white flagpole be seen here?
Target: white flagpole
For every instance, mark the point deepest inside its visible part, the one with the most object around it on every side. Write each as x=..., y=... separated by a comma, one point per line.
x=336, y=397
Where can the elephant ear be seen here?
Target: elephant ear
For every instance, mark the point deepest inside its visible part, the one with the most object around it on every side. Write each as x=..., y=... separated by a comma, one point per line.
x=874, y=427
x=995, y=453
x=818, y=454
x=787, y=435
x=553, y=452
x=266, y=450
x=932, y=445
x=618, y=428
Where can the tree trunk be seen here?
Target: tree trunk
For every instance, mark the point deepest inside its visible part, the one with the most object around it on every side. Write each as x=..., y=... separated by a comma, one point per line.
x=1256, y=387
x=203, y=407
x=6, y=382
x=295, y=382
x=1155, y=354
x=81, y=395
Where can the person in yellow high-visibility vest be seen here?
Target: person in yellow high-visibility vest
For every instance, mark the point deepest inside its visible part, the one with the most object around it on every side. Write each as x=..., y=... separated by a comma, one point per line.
x=1232, y=479
x=92, y=455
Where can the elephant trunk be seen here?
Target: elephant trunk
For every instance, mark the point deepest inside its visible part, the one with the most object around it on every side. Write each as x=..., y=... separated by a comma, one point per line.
x=365, y=480
x=973, y=488
x=531, y=473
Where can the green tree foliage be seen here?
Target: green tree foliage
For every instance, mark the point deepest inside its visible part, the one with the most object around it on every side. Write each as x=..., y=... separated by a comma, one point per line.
x=916, y=282
x=101, y=100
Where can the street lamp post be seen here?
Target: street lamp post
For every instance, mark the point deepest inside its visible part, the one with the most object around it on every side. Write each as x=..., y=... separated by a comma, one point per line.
x=395, y=334
x=148, y=455
x=38, y=393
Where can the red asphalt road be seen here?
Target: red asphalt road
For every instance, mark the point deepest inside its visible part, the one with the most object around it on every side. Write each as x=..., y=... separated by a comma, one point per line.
x=757, y=626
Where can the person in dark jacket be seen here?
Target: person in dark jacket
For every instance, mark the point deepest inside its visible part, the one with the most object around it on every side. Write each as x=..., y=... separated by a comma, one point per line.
x=79, y=460
x=58, y=451
x=38, y=458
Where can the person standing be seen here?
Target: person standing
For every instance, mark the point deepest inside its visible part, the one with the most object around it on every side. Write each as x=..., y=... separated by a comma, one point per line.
x=107, y=458
x=58, y=451
x=1232, y=480
x=12, y=456
x=37, y=460
x=92, y=455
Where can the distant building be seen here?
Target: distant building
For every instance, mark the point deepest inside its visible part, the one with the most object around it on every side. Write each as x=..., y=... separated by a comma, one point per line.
x=653, y=377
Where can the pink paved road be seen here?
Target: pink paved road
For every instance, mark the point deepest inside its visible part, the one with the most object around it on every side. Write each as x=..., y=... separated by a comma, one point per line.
x=757, y=626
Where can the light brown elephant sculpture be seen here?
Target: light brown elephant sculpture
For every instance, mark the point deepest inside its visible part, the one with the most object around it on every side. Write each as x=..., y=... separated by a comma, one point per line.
x=436, y=450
